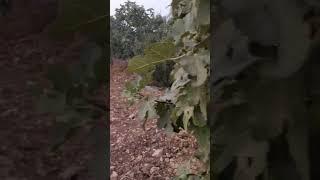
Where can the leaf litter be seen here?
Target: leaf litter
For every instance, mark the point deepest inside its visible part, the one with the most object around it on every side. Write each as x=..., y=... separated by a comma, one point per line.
x=143, y=154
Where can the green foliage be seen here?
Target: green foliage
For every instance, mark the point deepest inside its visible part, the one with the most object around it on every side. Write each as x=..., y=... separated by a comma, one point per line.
x=156, y=53
x=133, y=28
x=185, y=174
x=147, y=110
x=70, y=98
x=187, y=98
x=155, y=59
x=132, y=89
x=260, y=117
x=161, y=74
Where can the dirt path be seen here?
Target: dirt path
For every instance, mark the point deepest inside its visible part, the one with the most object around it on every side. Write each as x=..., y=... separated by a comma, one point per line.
x=138, y=154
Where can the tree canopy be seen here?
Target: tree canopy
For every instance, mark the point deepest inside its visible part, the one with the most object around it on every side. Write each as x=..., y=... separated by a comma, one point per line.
x=133, y=27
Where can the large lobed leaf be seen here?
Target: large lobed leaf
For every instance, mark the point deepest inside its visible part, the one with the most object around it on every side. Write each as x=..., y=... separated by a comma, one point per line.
x=155, y=54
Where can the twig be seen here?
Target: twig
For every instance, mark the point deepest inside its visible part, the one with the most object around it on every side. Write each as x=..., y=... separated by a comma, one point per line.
x=162, y=60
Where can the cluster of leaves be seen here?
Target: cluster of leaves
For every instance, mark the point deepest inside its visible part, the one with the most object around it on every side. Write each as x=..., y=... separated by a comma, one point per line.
x=161, y=74
x=133, y=28
x=71, y=97
x=258, y=120
x=185, y=102
x=132, y=89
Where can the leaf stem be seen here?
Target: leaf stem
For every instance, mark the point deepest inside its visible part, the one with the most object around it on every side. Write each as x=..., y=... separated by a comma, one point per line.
x=162, y=60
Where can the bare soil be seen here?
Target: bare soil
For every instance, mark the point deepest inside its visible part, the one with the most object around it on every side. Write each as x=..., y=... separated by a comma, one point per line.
x=143, y=154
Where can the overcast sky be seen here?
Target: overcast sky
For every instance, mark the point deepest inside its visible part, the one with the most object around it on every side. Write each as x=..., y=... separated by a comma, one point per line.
x=159, y=6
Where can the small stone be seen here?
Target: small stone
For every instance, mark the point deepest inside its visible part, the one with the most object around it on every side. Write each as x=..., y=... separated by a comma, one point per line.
x=157, y=153
x=185, y=151
x=145, y=168
x=70, y=171
x=154, y=169
x=166, y=159
x=132, y=116
x=139, y=158
x=114, y=175
x=161, y=159
x=173, y=165
x=131, y=174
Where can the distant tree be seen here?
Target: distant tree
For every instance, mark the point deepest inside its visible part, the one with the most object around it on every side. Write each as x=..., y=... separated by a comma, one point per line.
x=133, y=27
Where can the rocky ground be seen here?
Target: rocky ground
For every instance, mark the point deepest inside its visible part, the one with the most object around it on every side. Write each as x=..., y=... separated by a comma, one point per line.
x=143, y=154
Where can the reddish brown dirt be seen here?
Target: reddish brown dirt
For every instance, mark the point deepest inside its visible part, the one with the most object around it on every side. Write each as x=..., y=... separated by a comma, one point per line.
x=139, y=154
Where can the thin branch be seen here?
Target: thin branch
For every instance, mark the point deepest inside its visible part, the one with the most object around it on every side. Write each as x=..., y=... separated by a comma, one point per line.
x=88, y=22
x=160, y=61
